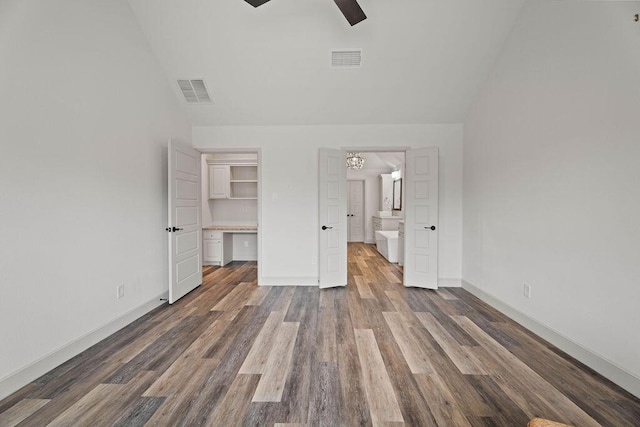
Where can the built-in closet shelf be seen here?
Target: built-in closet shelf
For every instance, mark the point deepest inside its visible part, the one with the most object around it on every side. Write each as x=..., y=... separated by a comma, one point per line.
x=243, y=173
x=243, y=189
x=233, y=181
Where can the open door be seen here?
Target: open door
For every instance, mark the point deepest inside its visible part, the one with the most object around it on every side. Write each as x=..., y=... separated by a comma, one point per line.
x=332, y=192
x=185, y=262
x=421, y=218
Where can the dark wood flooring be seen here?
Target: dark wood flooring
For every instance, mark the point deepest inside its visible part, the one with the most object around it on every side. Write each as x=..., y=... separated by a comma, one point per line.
x=373, y=353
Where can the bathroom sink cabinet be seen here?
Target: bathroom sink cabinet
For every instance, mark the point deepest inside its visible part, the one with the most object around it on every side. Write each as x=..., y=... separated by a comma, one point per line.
x=386, y=223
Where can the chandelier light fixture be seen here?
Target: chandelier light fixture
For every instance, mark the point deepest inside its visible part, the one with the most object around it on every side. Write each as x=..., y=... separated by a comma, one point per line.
x=354, y=161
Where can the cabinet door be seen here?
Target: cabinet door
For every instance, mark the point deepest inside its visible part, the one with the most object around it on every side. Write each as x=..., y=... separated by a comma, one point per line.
x=212, y=250
x=389, y=224
x=218, y=181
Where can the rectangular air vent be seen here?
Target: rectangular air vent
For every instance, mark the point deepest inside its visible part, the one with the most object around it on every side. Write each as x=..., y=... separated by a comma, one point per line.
x=346, y=58
x=194, y=91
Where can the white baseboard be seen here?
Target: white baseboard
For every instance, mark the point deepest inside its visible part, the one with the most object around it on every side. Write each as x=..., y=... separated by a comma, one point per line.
x=289, y=281
x=444, y=282
x=598, y=363
x=449, y=282
x=16, y=380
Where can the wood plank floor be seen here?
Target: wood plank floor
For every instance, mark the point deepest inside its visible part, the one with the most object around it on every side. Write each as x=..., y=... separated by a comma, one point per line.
x=373, y=353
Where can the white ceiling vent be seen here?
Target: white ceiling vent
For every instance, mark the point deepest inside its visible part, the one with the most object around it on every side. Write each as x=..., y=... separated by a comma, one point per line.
x=194, y=91
x=346, y=58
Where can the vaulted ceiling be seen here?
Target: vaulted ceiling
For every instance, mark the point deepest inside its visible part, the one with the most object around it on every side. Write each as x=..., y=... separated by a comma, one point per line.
x=423, y=61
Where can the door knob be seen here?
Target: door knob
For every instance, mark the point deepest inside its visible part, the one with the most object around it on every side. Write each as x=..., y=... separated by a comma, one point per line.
x=433, y=227
x=176, y=229
x=324, y=227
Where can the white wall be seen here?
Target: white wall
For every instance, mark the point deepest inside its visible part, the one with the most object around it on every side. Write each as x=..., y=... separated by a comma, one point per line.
x=552, y=183
x=289, y=218
x=84, y=119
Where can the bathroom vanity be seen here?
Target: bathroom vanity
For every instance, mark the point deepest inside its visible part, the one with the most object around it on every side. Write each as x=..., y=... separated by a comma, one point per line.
x=384, y=223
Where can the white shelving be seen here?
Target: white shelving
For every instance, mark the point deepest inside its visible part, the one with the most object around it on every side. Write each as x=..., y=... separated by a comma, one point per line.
x=233, y=181
x=243, y=181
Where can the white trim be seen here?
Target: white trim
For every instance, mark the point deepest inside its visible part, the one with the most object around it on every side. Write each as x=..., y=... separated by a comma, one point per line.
x=449, y=282
x=597, y=362
x=232, y=162
x=18, y=379
x=289, y=281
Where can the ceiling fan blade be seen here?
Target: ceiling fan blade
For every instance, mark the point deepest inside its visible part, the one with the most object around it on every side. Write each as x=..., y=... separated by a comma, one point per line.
x=351, y=10
x=256, y=3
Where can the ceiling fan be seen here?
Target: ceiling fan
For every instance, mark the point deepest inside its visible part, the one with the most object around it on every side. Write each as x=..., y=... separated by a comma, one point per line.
x=349, y=8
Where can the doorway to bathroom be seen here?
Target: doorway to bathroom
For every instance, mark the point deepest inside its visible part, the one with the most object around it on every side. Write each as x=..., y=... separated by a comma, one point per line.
x=370, y=208
x=417, y=202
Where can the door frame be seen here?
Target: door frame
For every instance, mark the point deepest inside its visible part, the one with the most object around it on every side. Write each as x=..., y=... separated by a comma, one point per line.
x=258, y=151
x=385, y=149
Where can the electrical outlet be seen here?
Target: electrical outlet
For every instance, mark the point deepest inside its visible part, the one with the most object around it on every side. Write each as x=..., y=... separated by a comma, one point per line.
x=314, y=261
x=120, y=292
x=526, y=290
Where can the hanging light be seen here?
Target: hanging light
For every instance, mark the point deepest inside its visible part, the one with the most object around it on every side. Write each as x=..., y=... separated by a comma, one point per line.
x=354, y=161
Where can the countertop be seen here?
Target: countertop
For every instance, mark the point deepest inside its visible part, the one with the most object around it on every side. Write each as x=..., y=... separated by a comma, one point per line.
x=232, y=227
x=388, y=217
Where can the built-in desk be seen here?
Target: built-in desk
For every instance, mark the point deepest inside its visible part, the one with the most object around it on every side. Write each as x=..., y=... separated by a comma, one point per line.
x=218, y=244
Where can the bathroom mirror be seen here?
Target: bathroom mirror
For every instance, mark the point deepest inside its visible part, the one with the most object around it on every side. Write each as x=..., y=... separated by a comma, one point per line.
x=397, y=194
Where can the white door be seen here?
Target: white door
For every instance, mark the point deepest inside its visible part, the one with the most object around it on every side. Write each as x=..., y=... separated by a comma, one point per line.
x=421, y=218
x=185, y=264
x=355, y=213
x=332, y=217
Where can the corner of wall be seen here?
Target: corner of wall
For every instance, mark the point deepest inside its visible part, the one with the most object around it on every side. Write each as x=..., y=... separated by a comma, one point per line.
x=34, y=370
x=595, y=361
